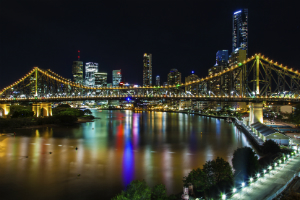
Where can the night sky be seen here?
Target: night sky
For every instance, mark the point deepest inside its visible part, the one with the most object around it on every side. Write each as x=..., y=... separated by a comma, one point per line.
x=180, y=34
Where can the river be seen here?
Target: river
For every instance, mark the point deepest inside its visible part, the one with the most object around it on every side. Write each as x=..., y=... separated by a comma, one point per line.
x=121, y=146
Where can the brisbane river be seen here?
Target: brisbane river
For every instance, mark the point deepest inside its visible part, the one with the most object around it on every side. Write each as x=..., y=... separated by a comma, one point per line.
x=119, y=147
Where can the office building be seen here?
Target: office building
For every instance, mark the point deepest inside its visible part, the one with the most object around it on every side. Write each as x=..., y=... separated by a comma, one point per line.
x=158, y=80
x=100, y=79
x=174, y=77
x=77, y=71
x=147, y=70
x=116, y=78
x=90, y=70
x=240, y=30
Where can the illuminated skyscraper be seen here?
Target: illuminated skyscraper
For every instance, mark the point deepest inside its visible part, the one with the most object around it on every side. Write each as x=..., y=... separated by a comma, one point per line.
x=158, y=80
x=240, y=30
x=147, y=70
x=191, y=78
x=174, y=77
x=90, y=70
x=100, y=79
x=222, y=57
x=116, y=77
x=77, y=71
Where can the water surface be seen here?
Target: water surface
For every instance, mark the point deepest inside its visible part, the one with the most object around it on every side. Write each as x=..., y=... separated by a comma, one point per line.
x=158, y=147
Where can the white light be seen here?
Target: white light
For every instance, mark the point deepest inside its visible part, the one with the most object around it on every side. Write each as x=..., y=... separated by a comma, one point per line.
x=243, y=184
x=258, y=175
x=234, y=190
x=224, y=196
x=251, y=179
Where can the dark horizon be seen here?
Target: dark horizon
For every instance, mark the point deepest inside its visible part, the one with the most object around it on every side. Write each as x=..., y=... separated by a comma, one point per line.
x=179, y=34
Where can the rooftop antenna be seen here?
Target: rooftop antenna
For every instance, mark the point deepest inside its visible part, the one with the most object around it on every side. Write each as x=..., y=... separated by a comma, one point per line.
x=78, y=55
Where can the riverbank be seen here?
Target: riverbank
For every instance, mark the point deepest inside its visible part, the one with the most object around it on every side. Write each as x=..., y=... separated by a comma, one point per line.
x=41, y=122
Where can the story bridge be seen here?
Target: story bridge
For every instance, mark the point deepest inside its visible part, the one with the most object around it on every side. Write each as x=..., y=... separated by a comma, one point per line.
x=256, y=79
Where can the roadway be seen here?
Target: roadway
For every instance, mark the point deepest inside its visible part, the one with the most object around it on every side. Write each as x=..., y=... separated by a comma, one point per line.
x=153, y=97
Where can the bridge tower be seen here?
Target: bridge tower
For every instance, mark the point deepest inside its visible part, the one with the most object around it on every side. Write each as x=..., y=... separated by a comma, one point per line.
x=256, y=113
x=4, y=109
x=37, y=108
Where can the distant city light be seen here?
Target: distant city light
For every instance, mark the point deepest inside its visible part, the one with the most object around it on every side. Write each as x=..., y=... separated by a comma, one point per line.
x=193, y=72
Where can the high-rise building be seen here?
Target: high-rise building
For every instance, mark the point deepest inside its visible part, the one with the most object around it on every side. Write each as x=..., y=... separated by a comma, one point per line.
x=100, y=79
x=77, y=71
x=222, y=57
x=191, y=88
x=174, y=77
x=147, y=70
x=237, y=57
x=90, y=70
x=240, y=30
x=116, y=77
x=158, y=80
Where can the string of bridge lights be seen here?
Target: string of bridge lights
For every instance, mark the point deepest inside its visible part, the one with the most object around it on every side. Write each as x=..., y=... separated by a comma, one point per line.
x=68, y=82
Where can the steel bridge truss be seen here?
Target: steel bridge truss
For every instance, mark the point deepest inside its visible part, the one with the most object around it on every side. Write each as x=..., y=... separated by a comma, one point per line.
x=256, y=76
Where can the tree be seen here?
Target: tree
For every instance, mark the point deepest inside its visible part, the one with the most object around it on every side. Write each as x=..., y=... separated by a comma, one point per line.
x=87, y=112
x=159, y=192
x=270, y=146
x=136, y=190
x=245, y=162
x=198, y=179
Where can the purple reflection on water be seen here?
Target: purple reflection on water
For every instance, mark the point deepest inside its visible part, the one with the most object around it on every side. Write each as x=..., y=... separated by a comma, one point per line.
x=128, y=163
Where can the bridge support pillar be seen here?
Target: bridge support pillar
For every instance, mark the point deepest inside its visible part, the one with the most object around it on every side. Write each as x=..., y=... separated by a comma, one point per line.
x=4, y=110
x=44, y=109
x=256, y=113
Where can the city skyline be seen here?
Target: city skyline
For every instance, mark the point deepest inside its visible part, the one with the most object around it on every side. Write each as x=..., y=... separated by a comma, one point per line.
x=177, y=41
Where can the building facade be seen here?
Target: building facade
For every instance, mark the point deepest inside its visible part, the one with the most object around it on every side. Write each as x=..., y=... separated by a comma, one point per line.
x=116, y=78
x=90, y=70
x=147, y=70
x=240, y=30
x=100, y=79
x=174, y=77
x=222, y=57
x=157, y=80
x=193, y=89
x=236, y=58
x=77, y=71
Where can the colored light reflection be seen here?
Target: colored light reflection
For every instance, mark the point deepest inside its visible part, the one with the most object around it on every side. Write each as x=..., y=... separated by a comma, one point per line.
x=128, y=163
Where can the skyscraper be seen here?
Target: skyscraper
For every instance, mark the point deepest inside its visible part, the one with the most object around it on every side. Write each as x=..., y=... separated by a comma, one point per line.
x=240, y=30
x=191, y=78
x=222, y=57
x=116, y=78
x=77, y=71
x=147, y=70
x=90, y=70
x=158, y=80
x=174, y=77
x=100, y=79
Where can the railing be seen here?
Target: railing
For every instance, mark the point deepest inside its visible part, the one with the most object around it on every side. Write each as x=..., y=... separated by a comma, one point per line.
x=297, y=174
